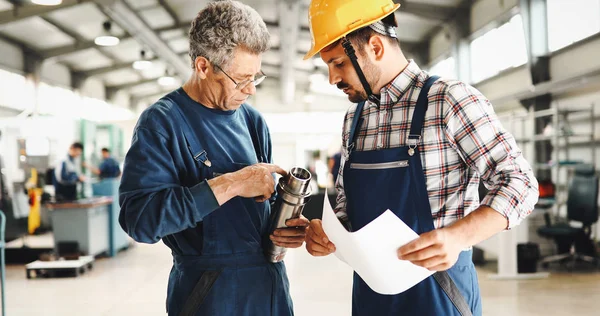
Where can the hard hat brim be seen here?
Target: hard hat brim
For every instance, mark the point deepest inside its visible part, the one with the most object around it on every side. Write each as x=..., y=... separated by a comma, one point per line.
x=316, y=49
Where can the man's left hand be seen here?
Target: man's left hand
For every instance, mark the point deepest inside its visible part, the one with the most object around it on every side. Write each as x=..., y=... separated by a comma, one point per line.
x=291, y=236
x=436, y=250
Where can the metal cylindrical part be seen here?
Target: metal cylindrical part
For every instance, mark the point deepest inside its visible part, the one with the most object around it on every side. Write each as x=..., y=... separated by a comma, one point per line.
x=293, y=192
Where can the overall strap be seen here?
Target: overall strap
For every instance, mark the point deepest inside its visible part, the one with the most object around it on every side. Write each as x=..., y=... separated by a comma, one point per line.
x=196, y=150
x=354, y=126
x=418, y=119
x=251, y=121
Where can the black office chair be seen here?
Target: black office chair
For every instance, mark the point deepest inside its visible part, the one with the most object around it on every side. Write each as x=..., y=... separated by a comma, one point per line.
x=575, y=244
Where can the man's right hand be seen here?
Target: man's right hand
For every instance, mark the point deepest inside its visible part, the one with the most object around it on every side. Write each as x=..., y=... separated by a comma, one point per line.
x=317, y=242
x=254, y=181
x=257, y=181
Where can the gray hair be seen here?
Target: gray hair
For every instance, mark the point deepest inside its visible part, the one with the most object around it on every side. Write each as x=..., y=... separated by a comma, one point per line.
x=223, y=26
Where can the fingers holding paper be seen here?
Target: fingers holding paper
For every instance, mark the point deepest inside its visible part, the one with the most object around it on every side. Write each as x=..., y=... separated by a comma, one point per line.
x=435, y=250
x=317, y=242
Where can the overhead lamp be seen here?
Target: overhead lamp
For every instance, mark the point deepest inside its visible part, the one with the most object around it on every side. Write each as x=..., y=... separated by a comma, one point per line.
x=47, y=2
x=107, y=39
x=143, y=63
x=167, y=80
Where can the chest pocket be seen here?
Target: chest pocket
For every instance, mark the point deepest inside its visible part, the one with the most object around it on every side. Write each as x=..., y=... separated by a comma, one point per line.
x=208, y=168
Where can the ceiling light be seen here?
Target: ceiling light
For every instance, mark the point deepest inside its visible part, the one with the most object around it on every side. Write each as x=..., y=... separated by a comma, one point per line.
x=47, y=2
x=143, y=63
x=106, y=39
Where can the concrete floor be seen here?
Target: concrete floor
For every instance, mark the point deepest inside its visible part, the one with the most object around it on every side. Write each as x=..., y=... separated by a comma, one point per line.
x=134, y=283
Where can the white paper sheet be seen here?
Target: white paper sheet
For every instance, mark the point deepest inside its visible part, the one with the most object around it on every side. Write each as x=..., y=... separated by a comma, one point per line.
x=372, y=251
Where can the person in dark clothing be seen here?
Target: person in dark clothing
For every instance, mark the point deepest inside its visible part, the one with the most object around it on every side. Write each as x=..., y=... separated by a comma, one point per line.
x=198, y=176
x=109, y=168
x=334, y=165
x=67, y=174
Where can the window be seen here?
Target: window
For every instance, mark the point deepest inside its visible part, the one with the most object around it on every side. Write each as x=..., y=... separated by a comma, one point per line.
x=499, y=49
x=571, y=21
x=445, y=68
x=15, y=92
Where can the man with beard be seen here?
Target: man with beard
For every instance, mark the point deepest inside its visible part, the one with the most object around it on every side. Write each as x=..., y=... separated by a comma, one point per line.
x=417, y=145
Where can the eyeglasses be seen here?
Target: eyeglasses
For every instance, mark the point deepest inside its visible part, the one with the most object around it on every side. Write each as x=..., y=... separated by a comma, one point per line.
x=258, y=78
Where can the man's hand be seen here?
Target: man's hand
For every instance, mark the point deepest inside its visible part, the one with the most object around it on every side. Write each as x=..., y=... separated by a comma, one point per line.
x=254, y=181
x=257, y=181
x=436, y=250
x=292, y=236
x=82, y=178
x=317, y=242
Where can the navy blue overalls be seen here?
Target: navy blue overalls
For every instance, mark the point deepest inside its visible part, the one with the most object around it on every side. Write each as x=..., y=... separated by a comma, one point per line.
x=375, y=181
x=232, y=276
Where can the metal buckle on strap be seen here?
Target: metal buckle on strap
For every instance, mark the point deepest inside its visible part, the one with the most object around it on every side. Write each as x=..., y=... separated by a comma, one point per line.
x=349, y=151
x=413, y=142
x=203, y=158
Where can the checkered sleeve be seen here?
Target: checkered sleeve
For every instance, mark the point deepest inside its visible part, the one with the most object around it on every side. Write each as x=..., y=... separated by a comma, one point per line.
x=340, y=202
x=474, y=130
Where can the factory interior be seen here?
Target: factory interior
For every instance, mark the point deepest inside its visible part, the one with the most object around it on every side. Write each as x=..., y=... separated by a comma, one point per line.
x=91, y=225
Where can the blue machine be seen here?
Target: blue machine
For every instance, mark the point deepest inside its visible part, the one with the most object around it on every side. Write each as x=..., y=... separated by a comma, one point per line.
x=118, y=239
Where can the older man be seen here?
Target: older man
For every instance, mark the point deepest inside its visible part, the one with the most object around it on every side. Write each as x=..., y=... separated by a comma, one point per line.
x=198, y=176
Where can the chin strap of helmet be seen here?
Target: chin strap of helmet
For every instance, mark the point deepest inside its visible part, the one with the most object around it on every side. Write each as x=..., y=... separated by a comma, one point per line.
x=361, y=76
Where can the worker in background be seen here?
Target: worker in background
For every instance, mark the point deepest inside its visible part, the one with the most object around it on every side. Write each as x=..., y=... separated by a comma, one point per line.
x=198, y=176
x=419, y=146
x=109, y=167
x=334, y=165
x=67, y=174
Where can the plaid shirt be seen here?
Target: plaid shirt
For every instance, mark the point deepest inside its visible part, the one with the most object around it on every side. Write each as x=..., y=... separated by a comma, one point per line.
x=462, y=141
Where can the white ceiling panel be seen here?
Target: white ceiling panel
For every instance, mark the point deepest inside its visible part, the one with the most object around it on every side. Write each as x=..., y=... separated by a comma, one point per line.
x=36, y=33
x=156, y=17
x=413, y=28
x=87, y=59
x=85, y=19
x=272, y=57
x=5, y=5
x=443, y=3
x=157, y=70
x=300, y=63
x=127, y=50
x=187, y=10
x=180, y=45
x=187, y=59
x=146, y=88
x=266, y=8
x=275, y=40
x=173, y=34
x=119, y=77
x=303, y=44
x=304, y=16
x=138, y=4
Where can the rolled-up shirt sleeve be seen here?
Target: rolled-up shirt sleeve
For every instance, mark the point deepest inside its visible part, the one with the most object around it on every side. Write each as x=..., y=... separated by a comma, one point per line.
x=475, y=132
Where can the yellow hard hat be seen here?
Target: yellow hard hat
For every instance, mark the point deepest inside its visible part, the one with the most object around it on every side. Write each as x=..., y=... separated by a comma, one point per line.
x=331, y=20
